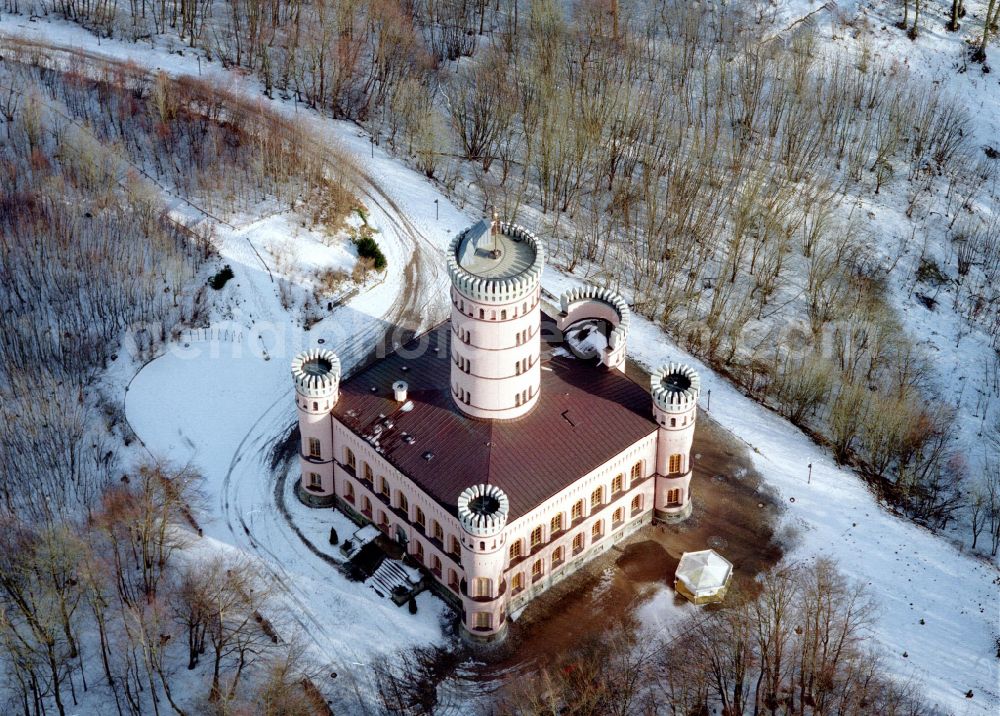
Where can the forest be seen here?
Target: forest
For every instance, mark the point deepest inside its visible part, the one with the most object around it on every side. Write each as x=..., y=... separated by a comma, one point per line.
x=725, y=180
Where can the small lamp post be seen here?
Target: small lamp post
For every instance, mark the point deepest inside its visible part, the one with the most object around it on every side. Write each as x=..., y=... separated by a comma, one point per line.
x=436, y=215
x=810, y=478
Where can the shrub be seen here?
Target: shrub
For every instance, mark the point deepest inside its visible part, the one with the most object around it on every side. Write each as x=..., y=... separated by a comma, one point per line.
x=220, y=279
x=368, y=249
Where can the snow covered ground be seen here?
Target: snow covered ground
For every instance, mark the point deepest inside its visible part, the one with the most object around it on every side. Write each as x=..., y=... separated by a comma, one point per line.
x=221, y=404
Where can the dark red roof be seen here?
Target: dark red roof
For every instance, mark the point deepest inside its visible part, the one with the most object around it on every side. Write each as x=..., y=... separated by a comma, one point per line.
x=586, y=415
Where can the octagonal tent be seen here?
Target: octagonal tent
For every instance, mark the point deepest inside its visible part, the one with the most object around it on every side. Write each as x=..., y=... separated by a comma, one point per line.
x=703, y=576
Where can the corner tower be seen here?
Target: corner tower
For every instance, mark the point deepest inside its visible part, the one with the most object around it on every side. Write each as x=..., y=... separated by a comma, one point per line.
x=675, y=389
x=482, y=512
x=495, y=271
x=316, y=374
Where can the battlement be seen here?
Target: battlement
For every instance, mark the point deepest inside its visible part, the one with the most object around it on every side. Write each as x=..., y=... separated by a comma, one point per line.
x=482, y=510
x=496, y=263
x=316, y=372
x=675, y=388
x=612, y=299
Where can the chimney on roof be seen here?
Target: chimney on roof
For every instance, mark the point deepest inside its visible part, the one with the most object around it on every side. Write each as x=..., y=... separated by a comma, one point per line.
x=399, y=389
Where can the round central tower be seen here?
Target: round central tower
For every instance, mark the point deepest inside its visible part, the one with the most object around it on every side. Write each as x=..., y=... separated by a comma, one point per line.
x=495, y=271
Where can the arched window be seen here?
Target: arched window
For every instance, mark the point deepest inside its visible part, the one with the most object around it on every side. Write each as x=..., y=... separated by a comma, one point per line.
x=577, y=511
x=315, y=405
x=514, y=551
x=418, y=552
x=536, y=536
x=314, y=447
x=536, y=569
x=558, y=556
x=404, y=504
x=636, y=471
x=482, y=620
x=315, y=481
x=675, y=464
x=673, y=422
x=597, y=531
x=619, y=516
x=436, y=565
x=438, y=532
x=556, y=524
x=482, y=313
x=384, y=487
x=577, y=543
x=348, y=491
x=674, y=497
x=482, y=587
x=596, y=498
x=617, y=484
x=349, y=462
x=503, y=314
x=517, y=582
x=456, y=547
x=636, y=503
x=419, y=517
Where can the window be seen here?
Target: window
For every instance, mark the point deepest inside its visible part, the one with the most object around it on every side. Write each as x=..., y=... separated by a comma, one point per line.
x=619, y=516
x=369, y=475
x=596, y=499
x=438, y=532
x=348, y=492
x=384, y=488
x=556, y=524
x=636, y=503
x=315, y=481
x=636, y=472
x=366, y=507
x=314, y=446
x=503, y=314
x=436, y=565
x=419, y=518
x=404, y=504
x=482, y=313
x=557, y=557
x=616, y=484
x=349, y=459
x=536, y=569
x=673, y=422
x=514, y=552
x=597, y=531
x=493, y=315
x=536, y=536
x=578, y=543
x=383, y=520
x=482, y=587
x=577, y=511
x=674, y=497
x=517, y=582
x=482, y=620
x=456, y=548
x=418, y=552
x=675, y=464
x=517, y=400
x=453, y=580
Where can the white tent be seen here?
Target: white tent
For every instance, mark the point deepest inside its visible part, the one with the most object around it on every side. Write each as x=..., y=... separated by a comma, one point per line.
x=703, y=576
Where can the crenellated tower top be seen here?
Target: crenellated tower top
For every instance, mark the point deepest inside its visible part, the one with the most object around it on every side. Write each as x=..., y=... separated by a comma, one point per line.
x=675, y=388
x=496, y=262
x=316, y=373
x=482, y=510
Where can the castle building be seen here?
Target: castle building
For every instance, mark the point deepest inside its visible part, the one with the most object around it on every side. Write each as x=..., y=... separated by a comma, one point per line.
x=505, y=447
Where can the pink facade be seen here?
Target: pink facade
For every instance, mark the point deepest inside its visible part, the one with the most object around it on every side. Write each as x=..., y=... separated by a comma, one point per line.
x=486, y=563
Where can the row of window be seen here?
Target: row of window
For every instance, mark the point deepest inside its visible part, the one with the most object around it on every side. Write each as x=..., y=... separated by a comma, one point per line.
x=522, y=366
x=520, y=338
x=537, y=536
x=493, y=314
x=558, y=557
